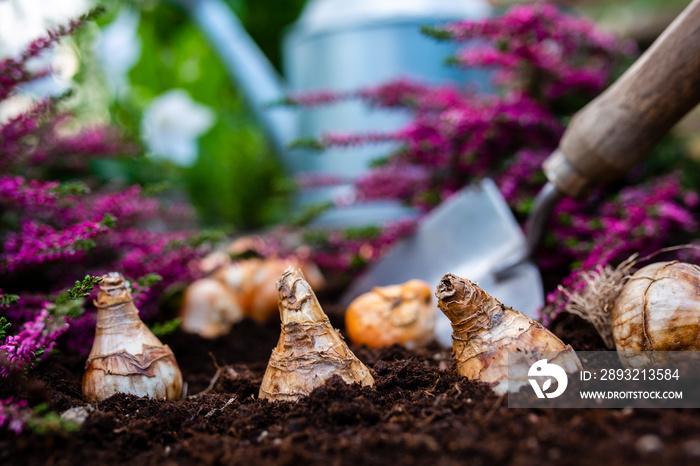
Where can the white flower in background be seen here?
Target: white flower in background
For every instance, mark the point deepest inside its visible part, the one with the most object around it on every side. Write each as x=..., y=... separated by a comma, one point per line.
x=171, y=125
x=119, y=48
x=22, y=21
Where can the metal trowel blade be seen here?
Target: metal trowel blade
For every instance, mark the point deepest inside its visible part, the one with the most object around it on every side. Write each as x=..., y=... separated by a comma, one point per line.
x=468, y=235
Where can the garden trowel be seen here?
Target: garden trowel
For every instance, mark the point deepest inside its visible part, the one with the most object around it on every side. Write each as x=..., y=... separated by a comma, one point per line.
x=474, y=235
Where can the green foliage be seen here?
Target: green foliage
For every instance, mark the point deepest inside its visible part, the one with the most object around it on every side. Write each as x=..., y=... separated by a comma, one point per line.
x=8, y=299
x=160, y=329
x=149, y=280
x=671, y=154
x=108, y=221
x=83, y=244
x=71, y=188
x=70, y=303
x=44, y=421
x=435, y=33
x=157, y=188
x=4, y=326
x=307, y=143
x=379, y=162
x=266, y=21
x=93, y=14
x=80, y=290
x=207, y=236
x=363, y=233
x=310, y=213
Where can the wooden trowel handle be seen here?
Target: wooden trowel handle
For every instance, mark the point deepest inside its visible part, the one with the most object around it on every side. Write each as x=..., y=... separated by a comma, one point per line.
x=617, y=129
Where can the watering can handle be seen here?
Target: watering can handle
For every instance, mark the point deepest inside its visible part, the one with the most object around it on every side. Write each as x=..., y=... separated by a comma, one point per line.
x=621, y=126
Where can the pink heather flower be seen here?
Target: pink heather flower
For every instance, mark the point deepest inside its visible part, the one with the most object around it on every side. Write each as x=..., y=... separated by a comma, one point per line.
x=164, y=253
x=397, y=93
x=20, y=193
x=314, y=98
x=588, y=80
x=485, y=57
x=20, y=351
x=319, y=180
x=37, y=140
x=565, y=53
x=128, y=206
x=37, y=243
x=14, y=415
x=691, y=199
x=638, y=221
x=537, y=22
x=75, y=151
x=400, y=181
x=25, y=309
x=348, y=140
x=15, y=135
x=340, y=253
x=525, y=167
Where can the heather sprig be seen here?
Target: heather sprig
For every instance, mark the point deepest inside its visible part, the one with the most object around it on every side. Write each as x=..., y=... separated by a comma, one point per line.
x=38, y=336
x=7, y=299
x=38, y=243
x=161, y=329
x=4, y=326
x=35, y=339
x=80, y=290
x=13, y=71
x=352, y=249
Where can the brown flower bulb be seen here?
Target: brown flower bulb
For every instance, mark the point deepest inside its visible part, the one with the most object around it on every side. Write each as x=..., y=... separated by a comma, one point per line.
x=209, y=309
x=402, y=314
x=310, y=350
x=658, y=309
x=126, y=357
x=485, y=331
x=213, y=262
x=253, y=281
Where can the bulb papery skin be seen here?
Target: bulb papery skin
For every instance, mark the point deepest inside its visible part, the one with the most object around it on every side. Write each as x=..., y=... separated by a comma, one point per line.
x=485, y=331
x=210, y=309
x=309, y=350
x=658, y=309
x=396, y=314
x=126, y=357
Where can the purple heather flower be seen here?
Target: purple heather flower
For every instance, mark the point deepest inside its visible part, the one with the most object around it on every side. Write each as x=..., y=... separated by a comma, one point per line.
x=37, y=336
x=14, y=414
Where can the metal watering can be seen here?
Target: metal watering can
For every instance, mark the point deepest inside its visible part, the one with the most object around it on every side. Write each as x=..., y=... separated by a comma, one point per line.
x=337, y=45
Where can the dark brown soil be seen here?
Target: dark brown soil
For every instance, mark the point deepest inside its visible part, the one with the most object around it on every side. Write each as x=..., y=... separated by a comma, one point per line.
x=419, y=412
